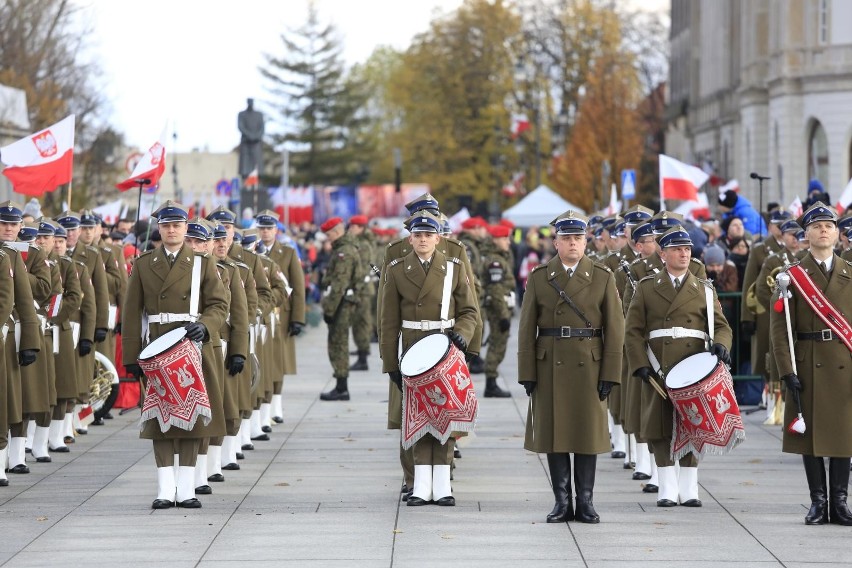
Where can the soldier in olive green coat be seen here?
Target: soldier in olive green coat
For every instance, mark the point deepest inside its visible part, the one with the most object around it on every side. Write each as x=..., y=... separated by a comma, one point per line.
x=342, y=278
x=673, y=306
x=819, y=377
x=161, y=284
x=569, y=357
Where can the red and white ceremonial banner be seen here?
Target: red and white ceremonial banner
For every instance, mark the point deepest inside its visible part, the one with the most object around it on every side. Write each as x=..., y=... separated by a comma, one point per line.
x=150, y=167
x=520, y=124
x=679, y=180
x=43, y=161
x=845, y=198
x=796, y=208
x=439, y=402
x=821, y=306
x=176, y=393
x=252, y=179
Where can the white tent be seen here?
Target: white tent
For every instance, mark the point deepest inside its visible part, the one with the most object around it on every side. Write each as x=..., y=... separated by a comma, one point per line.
x=540, y=207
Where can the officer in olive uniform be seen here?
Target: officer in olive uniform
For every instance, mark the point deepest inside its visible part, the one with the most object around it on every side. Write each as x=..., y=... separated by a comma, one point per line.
x=411, y=298
x=571, y=327
x=291, y=314
x=474, y=236
x=819, y=379
x=161, y=284
x=362, y=316
x=498, y=283
x=752, y=324
x=668, y=315
x=847, y=254
x=343, y=276
x=773, y=264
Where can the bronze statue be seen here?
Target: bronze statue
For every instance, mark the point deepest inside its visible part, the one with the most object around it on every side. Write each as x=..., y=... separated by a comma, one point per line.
x=250, y=123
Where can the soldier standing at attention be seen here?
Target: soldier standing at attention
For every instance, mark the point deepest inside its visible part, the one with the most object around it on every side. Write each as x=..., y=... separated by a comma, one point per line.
x=342, y=277
x=820, y=301
x=159, y=289
x=473, y=236
x=569, y=357
x=497, y=283
x=667, y=322
x=362, y=316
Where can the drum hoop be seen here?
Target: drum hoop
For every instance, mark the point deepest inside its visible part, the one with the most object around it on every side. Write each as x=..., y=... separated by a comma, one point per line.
x=441, y=358
x=167, y=348
x=701, y=378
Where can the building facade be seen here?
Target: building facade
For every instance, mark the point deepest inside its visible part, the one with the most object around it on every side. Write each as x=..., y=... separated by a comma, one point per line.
x=763, y=86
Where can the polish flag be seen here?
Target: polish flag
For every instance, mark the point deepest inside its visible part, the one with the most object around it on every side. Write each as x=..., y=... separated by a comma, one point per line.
x=42, y=161
x=796, y=208
x=150, y=167
x=679, y=180
x=845, y=198
x=520, y=124
x=614, y=206
x=252, y=178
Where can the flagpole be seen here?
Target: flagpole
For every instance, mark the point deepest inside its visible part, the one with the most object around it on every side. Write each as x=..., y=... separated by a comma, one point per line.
x=141, y=182
x=69, y=195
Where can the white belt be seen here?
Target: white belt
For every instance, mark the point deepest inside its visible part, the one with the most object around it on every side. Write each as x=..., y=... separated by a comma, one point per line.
x=428, y=325
x=170, y=318
x=678, y=333
x=5, y=331
x=224, y=348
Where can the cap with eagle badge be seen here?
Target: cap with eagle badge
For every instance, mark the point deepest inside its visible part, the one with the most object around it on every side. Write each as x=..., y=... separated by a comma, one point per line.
x=790, y=226
x=675, y=237
x=665, y=220
x=570, y=223
x=249, y=237
x=222, y=215
x=28, y=232
x=198, y=229
x=238, y=235
x=68, y=220
x=424, y=202
x=266, y=219
x=819, y=211
x=424, y=222
x=642, y=230
x=779, y=216
x=46, y=227
x=88, y=218
x=219, y=231
x=637, y=214
x=171, y=212
x=11, y=212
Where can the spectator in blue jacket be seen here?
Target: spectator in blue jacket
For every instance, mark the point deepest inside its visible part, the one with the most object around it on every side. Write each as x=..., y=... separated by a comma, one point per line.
x=816, y=192
x=733, y=204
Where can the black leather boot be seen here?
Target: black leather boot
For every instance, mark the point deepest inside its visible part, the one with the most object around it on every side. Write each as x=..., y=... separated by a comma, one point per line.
x=361, y=363
x=476, y=365
x=340, y=392
x=815, y=473
x=838, y=485
x=584, y=480
x=494, y=391
x=560, y=477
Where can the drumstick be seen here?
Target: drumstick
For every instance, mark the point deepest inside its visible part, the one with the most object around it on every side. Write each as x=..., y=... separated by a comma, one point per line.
x=658, y=388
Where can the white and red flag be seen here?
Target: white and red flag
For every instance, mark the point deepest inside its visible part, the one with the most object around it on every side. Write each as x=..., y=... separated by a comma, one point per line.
x=845, y=198
x=252, y=179
x=520, y=124
x=796, y=208
x=42, y=161
x=150, y=167
x=679, y=180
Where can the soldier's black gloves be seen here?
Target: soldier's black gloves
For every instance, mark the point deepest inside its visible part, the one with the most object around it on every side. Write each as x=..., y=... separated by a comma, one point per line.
x=721, y=352
x=604, y=388
x=26, y=357
x=328, y=319
x=457, y=339
x=505, y=324
x=295, y=328
x=134, y=369
x=85, y=347
x=196, y=331
x=748, y=327
x=792, y=382
x=644, y=373
x=236, y=364
x=396, y=378
x=100, y=334
x=117, y=328
x=529, y=386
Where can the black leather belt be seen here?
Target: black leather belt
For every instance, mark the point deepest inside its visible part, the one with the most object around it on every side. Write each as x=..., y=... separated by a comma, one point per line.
x=566, y=331
x=824, y=335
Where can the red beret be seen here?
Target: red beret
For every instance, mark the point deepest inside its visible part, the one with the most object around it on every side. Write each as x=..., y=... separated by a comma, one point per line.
x=474, y=222
x=507, y=223
x=358, y=220
x=330, y=224
x=499, y=231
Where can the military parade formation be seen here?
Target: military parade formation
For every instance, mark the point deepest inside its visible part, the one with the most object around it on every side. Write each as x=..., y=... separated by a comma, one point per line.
x=623, y=345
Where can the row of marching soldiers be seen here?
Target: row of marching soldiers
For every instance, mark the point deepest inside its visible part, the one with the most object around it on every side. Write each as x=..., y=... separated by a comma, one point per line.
x=59, y=305
x=249, y=309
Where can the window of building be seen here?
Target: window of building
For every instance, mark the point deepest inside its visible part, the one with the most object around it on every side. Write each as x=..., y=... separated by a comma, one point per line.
x=823, y=22
x=818, y=153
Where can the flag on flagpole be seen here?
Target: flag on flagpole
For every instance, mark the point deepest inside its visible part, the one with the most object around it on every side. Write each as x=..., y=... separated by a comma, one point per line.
x=679, y=180
x=520, y=124
x=796, y=208
x=252, y=178
x=150, y=167
x=614, y=206
x=42, y=161
x=845, y=198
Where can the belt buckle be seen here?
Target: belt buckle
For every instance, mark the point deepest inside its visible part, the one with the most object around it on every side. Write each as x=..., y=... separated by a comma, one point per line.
x=677, y=332
x=424, y=325
x=826, y=335
x=565, y=331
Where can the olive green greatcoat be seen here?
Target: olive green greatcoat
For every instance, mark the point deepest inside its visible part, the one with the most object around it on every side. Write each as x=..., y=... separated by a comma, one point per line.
x=69, y=311
x=614, y=262
x=847, y=254
x=760, y=340
x=631, y=395
x=657, y=305
x=235, y=332
x=88, y=315
x=36, y=379
x=823, y=367
x=565, y=412
x=274, y=347
x=244, y=379
x=91, y=257
x=293, y=305
x=410, y=293
x=116, y=277
x=156, y=288
x=771, y=266
x=7, y=304
x=31, y=336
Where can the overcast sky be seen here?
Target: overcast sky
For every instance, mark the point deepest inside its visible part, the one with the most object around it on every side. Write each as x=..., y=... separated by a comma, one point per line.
x=194, y=62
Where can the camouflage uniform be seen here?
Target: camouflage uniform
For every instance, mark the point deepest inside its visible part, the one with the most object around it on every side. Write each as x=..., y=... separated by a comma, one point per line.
x=362, y=315
x=497, y=283
x=343, y=275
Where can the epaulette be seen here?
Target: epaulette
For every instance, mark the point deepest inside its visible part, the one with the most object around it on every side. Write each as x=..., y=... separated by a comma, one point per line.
x=3, y=254
x=602, y=266
x=693, y=259
x=241, y=265
x=706, y=282
x=201, y=254
x=394, y=262
x=93, y=249
x=65, y=258
x=649, y=277
x=146, y=253
x=539, y=267
x=106, y=249
x=636, y=260
x=226, y=262
x=453, y=259
x=844, y=260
